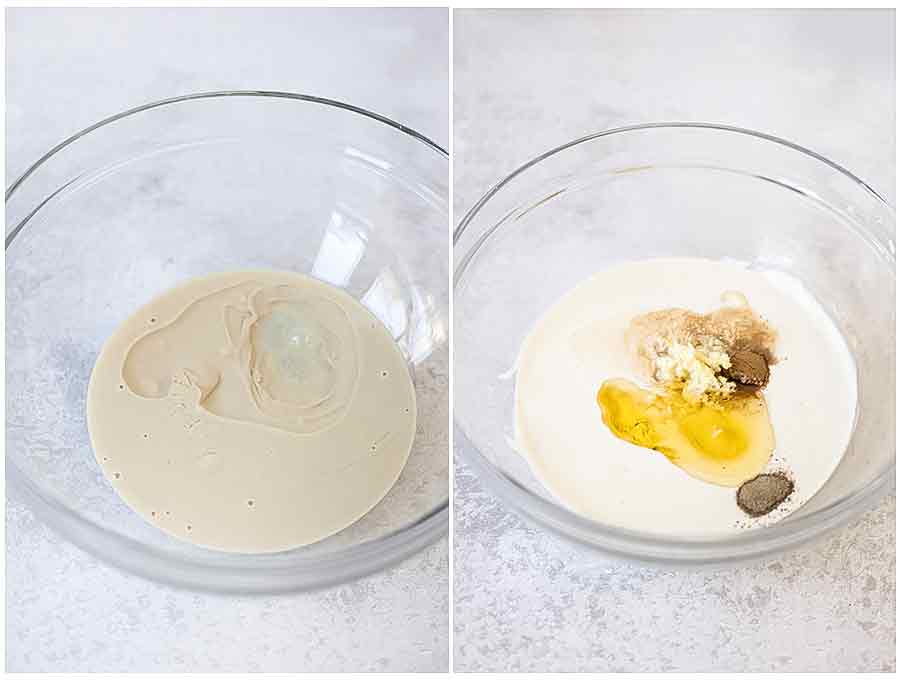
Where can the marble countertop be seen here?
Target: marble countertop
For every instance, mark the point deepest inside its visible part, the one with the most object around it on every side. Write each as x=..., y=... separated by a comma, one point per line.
x=527, y=81
x=66, y=611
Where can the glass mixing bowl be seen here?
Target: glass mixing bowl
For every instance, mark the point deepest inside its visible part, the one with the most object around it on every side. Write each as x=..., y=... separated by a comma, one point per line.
x=670, y=190
x=204, y=183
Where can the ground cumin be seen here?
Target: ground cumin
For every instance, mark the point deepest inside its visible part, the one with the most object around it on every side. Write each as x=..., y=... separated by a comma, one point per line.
x=748, y=367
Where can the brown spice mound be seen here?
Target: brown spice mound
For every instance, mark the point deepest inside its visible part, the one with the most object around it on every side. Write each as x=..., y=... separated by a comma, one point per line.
x=748, y=367
x=760, y=495
x=738, y=329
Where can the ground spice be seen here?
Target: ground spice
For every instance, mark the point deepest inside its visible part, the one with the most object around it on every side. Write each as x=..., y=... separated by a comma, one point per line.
x=762, y=494
x=736, y=329
x=748, y=367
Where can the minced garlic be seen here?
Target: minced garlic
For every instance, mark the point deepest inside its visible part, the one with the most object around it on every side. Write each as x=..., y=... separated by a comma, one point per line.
x=692, y=369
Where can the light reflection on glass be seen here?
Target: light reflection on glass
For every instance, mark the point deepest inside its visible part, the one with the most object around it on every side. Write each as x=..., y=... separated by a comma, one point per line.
x=430, y=331
x=341, y=250
x=384, y=298
x=365, y=157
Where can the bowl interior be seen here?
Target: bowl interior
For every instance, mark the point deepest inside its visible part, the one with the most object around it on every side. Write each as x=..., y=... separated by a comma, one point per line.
x=213, y=184
x=672, y=191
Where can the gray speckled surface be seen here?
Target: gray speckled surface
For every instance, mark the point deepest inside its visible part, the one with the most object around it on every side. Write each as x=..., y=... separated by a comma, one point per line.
x=66, y=611
x=526, y=81
x=525, y=600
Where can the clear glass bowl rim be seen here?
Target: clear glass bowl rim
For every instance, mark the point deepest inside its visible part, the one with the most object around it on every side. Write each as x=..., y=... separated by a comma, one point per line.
x=632, y=545
x=256, y=573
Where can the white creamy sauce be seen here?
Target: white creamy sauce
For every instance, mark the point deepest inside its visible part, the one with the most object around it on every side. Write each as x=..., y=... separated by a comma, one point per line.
x=252, y=411
x=578, y=343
